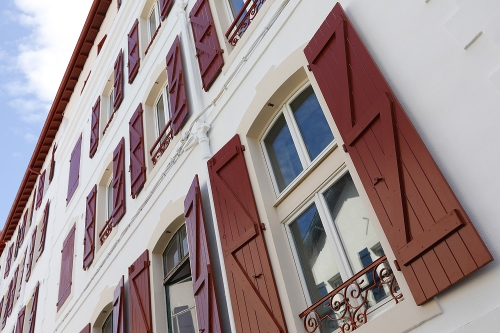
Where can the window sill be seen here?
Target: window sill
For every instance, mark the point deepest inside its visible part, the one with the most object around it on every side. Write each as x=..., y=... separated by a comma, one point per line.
x=306, y=172
x=157, y=167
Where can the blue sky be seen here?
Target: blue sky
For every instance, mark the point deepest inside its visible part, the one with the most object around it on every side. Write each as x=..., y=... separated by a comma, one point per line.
x=37, y=38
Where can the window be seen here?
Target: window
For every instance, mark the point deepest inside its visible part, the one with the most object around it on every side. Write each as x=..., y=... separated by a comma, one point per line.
x=153, y=21
x=104, y=207
x=242, y=14
x=109, y=198
x=107, y=327
x=162, y=111
x=236, y=6
x=181, y=313
x=109, y=110
x=296, y=138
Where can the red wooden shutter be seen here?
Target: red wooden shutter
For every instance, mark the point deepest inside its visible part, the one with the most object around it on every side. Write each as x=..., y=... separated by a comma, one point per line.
x=251, y=282
x=165, y=6
x=20, y=320
x=9, y=261
x=207, y=45
x=34, y=305
x=12, y=292
x=94, y=127
x=74, y=169
x=137, y=159
x=207, y=308
x=41, y=183
x=52, y=163
x=432, y=237
x=1, y=311
x=133, y=52
x=118, y=182
x=86, y=329
x=119, y=307
x=20, y=285
x=29, y=263
x=176, y=86
x=118, y=84
x=43, y=230
x=139, y=294
x=32, y=209
x=89, y=238
x=22, y=228
x=65, y=280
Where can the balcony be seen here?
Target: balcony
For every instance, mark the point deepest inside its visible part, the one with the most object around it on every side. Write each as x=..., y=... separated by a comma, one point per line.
x=243, y=20
x=105, y=231
x=345, y=308
x=161, y=144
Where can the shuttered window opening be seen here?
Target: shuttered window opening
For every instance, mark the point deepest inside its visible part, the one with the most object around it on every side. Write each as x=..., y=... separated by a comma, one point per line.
x=74, y=169
x=4, y=318
x=176, y=86
x=165, y=7
x=32, y=209
x=94, y=127
x=29, y=262
x=431, y=235
x=163, y=125
x=205, y=295
x=118, y=182
x=118, y=82
x=66, y=276
x=52, y=163
x=22, y=230
x=137, y=157
x=89, y=237
x=43, y=230
x=208, y=50
x=20, y=320
x=139, y=291
x=133, y=52
x=252, y=286
x=86, y=329
x=41, y=183
x=34, y=306
x=154, y=24
x=8, y=262
x=20, y=284
x=12, y=292
x=118, y=314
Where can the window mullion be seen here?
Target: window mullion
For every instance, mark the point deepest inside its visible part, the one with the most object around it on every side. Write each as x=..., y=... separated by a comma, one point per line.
x=296, y=137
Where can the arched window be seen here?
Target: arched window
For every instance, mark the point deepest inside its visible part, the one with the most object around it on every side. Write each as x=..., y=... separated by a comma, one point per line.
x=107, y=327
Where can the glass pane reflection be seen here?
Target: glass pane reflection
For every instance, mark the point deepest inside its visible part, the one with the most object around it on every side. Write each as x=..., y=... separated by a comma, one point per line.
x=182, y=307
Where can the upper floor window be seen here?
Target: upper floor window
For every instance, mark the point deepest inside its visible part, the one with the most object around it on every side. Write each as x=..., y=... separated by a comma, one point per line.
x=109, y=110
x=242, y=12
x=162, y=111
x=181, y=312
x=296, y=137
x=153, y=20
x=108, y=324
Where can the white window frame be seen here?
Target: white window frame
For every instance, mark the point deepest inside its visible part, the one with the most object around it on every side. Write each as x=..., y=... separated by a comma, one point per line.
x=156, y=12
x=166, y=109
x=111, y=101
x=109, y=198
x=307, y=164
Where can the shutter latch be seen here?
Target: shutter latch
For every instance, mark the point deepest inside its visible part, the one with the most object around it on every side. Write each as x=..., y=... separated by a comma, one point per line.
x=262, y=226
x=344, y=147
x=377, y=180
x=397, y=266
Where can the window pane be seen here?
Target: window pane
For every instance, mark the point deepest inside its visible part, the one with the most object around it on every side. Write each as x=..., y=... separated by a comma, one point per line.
x=183, y=240
x=108, y=324
x=181, y=307
x=312, y=122
x=152, y=24
x=160, y=115
x=320, y=269
x=282, y=153
x=111, y=103
x=171, y=256
x=109, y=199
x=236, y=6
x=360, y=243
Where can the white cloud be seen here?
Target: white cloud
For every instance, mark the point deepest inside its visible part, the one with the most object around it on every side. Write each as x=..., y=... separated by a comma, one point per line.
x=30, y=138
x=30, y=110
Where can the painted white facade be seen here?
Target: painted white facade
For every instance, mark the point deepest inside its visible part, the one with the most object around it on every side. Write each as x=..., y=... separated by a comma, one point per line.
x=442, y=60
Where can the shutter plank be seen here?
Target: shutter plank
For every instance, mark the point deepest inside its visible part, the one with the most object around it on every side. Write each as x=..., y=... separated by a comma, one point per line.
x=119, y=307
x=86, y=329
x=118, y=182
x=433, y=239
x=66, y=275
x=118, y=81
x=74, y=169
x=176, y=86
x=8, y=261
x=20, y=320
x=43, y=230
x=137, y=156
x=133, y=52
x=205, y=295
x=254, y=295
x=29, y=264
x=208, y=50
x=165, y=7
x=34, y=306
x=140, y=295
x=89, y=238
x=94, y=127
x=21, y=266
x=41, y=183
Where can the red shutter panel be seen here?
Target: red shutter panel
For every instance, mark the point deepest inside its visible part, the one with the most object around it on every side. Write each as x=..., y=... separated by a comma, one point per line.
x=74, y=169
x=139, y=294
x=7, y=302
x=30, y=255
x=20, y=285
x=20, y=320
x=118, y=182
x=22, y=228
x=94, y=127
x=52, y=163
x=89, y=238
x=1, y=311
x=165, y=7
x=176, y=86
x=9, y=261
x=119, y=308
x=12, y=292
x=65, y=280
x=118, y=84
x=34, y=305
x=133, y=52
x=41, y=183
x=207, y=308
x=252, y=286
x=86, y=329
x=207, y=45
x=32, y=209
x=432, y=237
x=137, y=158
x=43, y=230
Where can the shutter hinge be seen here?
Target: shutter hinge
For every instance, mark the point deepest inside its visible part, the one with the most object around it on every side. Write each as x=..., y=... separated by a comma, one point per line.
x=309, y=68
x=344, y=147
x=262, y=226
x=397, y=266
x=147, y=263
x=243, y=148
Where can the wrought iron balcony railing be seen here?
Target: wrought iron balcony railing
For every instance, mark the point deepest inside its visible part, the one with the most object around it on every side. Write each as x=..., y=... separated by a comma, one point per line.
x=161, y=144
x=243, y=20
x=345, y=308
x=105, y=231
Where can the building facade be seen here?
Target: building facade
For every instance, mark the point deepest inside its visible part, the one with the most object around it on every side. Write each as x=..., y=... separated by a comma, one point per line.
x=265, y=166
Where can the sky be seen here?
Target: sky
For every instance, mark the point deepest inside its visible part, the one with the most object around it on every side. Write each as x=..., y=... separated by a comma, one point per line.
x=37, y=38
